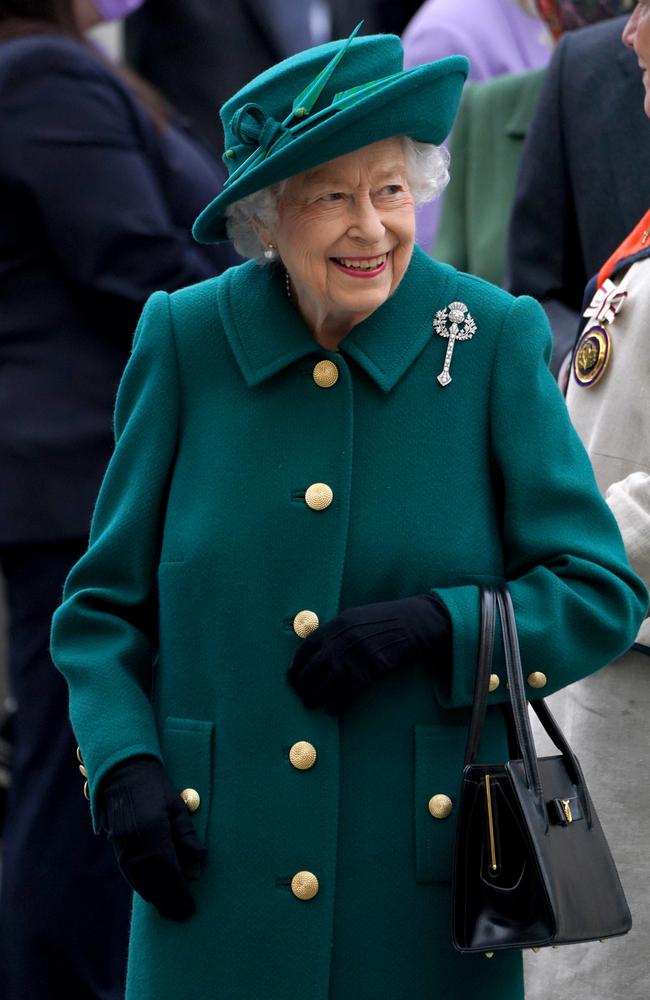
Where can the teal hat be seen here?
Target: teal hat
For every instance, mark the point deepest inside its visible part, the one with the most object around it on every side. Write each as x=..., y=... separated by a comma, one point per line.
x=323, y=103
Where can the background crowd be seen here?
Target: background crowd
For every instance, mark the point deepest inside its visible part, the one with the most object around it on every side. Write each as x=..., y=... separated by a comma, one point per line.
x=107, y=156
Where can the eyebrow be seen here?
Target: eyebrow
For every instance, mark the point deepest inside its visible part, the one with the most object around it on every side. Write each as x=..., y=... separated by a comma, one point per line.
x=316, y=176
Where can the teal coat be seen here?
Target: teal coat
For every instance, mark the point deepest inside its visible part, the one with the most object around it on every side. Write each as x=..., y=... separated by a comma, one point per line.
x=176, y=630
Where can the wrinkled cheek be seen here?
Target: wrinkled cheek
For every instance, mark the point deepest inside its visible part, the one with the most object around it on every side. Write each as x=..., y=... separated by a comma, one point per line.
x=401, y=258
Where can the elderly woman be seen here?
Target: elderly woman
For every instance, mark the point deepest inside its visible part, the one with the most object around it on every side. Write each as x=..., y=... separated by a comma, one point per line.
x=318, y=463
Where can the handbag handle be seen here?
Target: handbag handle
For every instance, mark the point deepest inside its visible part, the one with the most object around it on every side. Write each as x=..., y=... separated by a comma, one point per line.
x=556, y=735
x=483, y=671
x=499, y=599
x=517, y=691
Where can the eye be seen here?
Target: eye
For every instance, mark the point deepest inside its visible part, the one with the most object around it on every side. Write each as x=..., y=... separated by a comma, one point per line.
x=391, y=189
x=332, y=196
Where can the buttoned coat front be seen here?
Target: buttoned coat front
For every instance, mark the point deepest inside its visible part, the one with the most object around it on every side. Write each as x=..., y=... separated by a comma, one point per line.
x=176, y=630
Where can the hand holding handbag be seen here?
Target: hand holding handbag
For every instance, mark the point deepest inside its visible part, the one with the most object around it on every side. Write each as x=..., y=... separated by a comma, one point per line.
x=532, y=866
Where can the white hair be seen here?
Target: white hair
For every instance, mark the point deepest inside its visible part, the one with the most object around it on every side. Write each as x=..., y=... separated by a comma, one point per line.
x=427, y=171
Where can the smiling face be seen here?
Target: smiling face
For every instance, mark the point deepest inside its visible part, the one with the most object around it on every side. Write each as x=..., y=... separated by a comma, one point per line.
x=345, y=234
x=636, y=35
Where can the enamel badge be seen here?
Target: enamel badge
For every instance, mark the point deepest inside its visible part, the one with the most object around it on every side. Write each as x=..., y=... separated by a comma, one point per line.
x=594, y=349
x=453, y=323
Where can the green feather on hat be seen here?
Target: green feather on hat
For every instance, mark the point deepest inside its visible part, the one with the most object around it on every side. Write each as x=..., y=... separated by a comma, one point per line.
x=323, y=103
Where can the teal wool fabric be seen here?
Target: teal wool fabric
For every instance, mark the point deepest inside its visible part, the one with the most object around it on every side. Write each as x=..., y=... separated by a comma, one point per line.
x=176, y=629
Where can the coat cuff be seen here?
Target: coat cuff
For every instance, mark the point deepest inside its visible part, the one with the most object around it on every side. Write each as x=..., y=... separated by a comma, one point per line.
x=97, y=773
x=455, y=687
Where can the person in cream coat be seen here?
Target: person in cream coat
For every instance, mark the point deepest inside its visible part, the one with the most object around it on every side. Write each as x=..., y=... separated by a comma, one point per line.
x=607, y=397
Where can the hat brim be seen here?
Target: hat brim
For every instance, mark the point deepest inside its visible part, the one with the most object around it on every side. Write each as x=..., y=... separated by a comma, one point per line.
x=422, y=104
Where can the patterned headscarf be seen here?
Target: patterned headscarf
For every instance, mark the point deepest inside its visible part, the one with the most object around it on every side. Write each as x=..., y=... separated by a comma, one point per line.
x=566, y=15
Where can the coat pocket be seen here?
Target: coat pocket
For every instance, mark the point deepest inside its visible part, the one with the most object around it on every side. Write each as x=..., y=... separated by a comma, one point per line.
x=187, y=752
x=439, y=755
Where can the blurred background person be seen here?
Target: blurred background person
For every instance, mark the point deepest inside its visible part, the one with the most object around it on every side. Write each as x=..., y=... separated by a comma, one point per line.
x=388, y=16
x=608, y=402
x=97, y=192
x=486, y=148
x=583, y=181
x=498, y=36
x=198, y=52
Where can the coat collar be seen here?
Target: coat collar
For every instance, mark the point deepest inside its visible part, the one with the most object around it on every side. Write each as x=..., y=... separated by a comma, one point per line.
x=525, y=88
x=266, y=333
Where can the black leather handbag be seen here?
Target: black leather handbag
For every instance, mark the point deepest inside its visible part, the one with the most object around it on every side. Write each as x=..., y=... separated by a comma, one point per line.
x=532, y=866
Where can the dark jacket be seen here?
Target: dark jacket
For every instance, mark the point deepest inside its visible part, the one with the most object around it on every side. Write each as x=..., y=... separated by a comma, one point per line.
x=95, y=210
x=583, y=182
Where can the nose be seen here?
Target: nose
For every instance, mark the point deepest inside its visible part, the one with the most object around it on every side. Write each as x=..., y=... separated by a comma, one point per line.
x=365, y=223
x=629, y=30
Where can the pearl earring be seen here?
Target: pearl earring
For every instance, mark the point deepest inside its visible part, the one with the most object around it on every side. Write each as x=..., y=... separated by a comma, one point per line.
x=271, y=252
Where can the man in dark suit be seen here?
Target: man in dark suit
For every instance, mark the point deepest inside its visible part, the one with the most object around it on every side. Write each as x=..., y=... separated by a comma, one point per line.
x=584, y=180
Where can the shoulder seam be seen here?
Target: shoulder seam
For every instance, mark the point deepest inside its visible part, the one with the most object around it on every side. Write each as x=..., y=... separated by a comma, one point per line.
x=174, y=347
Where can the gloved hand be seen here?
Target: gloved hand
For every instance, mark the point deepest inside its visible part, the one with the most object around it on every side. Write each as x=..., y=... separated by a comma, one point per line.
x=152, y=834
x=343, y=657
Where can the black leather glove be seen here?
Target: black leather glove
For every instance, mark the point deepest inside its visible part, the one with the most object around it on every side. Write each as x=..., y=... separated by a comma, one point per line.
x=152, y=834
x=343, y=657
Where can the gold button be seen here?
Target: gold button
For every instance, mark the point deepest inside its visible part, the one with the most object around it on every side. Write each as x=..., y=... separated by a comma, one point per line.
x=495, y=680
x=86, y=792
x=79, y=757
x=325, y=374
x=440, y=806
x=83, y=771
x=303, y=755
x=537, y=679
x=304, y=885
x=319, y=496
x=191, y=798
x=305, y=623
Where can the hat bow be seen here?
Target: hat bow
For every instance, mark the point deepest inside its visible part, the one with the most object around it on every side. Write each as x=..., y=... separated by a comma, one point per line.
x=254, y=128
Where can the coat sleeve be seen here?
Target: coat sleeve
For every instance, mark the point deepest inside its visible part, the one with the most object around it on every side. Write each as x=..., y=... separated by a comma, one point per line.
x=577, y=601
x=77, y=147
x=629, y=502
x=104, y=632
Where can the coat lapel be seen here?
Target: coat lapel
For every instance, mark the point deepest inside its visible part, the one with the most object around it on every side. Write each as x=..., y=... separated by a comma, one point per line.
x=525, y=98
x=267, y=334
x=388, y=342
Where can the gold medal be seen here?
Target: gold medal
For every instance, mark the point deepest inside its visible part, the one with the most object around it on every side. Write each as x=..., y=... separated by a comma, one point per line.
x=594, y=349
x=592, y=356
